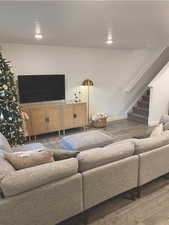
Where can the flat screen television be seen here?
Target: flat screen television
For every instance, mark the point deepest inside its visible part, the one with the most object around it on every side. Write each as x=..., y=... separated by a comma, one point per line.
x=37, y=88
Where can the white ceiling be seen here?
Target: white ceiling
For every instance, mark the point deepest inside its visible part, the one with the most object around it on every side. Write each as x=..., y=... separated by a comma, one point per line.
x=133, y=24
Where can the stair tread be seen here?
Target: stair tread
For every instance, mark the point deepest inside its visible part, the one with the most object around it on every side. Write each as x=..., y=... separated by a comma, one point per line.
x=144, y=101
x=143, y=104
x=141, y=108
x=146, y=98
x=140, y=111
x=138, y=115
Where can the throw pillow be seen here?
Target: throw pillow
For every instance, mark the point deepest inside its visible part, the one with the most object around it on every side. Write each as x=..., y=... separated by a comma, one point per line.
x=166, y=126
x=22, y=160
x=157, y=131
x=164, y=119
x=60, y=154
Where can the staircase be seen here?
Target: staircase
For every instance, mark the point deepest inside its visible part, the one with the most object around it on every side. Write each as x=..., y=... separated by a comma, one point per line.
x=141, y=110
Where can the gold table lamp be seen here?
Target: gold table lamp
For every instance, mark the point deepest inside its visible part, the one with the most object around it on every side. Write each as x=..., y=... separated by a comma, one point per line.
x=88, y=83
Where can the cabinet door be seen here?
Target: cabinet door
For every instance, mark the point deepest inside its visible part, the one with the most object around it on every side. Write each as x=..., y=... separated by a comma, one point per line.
x=79, y=114
x=68, y=116
x=27, y=121
x=53, y=117
x=39, y=123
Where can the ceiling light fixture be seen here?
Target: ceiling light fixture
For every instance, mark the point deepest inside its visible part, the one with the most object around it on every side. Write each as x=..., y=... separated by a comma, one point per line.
x=109, y=42
x=109, y=39
x=38, y=36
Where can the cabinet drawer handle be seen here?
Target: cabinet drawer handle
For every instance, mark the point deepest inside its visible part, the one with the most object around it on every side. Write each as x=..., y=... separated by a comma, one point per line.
x=74, y=115
x=47, y=119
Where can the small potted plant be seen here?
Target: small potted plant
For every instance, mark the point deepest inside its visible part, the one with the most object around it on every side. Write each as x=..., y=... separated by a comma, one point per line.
x=99, y=120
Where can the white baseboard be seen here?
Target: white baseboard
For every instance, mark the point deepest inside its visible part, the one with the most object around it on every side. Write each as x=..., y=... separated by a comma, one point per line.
x=117, y=118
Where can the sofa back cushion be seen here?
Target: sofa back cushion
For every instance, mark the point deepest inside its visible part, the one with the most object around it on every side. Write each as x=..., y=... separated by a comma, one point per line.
x=93, y=158
x=151, y=143
x=4, y=145
x=27, y=179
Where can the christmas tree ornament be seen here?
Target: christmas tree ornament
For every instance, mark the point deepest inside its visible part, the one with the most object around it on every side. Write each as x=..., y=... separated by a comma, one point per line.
x=2, y=93
x=5, y=87
x=1, y=116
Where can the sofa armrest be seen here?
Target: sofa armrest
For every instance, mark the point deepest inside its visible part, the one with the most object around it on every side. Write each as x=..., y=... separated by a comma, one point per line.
x=27, y=179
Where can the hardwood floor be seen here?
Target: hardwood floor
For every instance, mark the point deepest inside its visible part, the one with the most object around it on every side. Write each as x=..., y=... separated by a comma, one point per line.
x=123, y=129
x=119, y=130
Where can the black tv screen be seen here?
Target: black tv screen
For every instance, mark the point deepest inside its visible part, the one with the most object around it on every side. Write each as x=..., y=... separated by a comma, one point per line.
x=37, y=88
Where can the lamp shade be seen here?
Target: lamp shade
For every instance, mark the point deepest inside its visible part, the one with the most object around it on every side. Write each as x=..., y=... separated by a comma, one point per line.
x=87, y=82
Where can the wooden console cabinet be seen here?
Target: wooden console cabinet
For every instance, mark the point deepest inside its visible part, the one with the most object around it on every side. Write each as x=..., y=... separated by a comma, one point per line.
x=50, y=117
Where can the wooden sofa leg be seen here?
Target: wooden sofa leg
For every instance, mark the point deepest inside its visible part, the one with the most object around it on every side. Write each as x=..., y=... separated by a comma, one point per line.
x=84, y=216
x=139, y=189
x=131, y=195
x=166, y=176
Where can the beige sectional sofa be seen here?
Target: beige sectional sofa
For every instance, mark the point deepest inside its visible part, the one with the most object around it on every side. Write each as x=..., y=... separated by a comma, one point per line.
x=50, y=193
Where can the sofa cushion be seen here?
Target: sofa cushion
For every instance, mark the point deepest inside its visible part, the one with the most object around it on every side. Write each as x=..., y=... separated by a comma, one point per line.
x=60, y=154
x=151, y=143
x=4, y=145
x=22, y=160
x=157, y=131
x=29, y=147
x=93, y=158
x=85, y=140
x=28, y=179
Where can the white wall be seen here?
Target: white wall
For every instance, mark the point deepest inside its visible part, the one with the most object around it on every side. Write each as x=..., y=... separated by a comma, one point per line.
x=159, y=96
x=110, y=69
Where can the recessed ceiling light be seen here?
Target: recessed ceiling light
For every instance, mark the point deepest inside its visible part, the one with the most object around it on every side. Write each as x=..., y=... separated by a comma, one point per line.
x=109, y=42
x=38, y=36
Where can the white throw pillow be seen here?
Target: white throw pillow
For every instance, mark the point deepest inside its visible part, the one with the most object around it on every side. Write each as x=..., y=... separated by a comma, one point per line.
x=157, y=131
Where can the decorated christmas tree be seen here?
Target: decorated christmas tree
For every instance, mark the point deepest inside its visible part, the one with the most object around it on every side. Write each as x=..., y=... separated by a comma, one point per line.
x=11, y=122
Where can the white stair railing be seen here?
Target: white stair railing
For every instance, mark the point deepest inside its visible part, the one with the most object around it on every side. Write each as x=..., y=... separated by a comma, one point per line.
x=142, y=72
